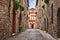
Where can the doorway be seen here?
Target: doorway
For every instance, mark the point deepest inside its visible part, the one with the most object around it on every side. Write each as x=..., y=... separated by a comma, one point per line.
x=58, y=23
x=13, y=20
x=32, y=26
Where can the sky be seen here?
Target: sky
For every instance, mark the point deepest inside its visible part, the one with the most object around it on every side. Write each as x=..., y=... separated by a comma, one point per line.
x=32, y=4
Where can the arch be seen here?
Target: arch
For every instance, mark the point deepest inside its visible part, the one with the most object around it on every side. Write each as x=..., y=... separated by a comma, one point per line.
x=58, y=22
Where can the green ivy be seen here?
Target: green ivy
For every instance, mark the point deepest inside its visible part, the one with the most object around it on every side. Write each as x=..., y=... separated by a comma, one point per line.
x=17, y=6
x=21, y=8
x=20, y=27
x=46, y=1
x=39, y=17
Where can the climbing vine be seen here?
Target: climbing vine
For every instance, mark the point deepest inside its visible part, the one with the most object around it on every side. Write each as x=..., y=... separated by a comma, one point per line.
x=21, y=8
x=39, y=17
x=17, y=6
x=46, y=1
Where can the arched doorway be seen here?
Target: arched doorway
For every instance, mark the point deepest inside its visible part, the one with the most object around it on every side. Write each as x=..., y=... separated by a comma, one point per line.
x=13, y=22
x=13, y=18
x=58, y=23
x=20, y=18
x=32, y=25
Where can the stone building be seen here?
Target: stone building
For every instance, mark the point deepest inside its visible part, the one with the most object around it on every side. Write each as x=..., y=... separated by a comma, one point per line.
x=24, y=14
x=32, y=18
x=50, y=12
x=54, y=17
x=40, y=16
x=18, y=18
x=4, y=18
x=9, y=18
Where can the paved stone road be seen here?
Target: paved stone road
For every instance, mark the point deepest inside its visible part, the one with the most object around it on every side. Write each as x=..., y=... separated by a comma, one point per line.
x=32, y=34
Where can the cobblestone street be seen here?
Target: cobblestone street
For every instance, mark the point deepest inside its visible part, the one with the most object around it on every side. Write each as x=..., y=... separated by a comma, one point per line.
x=32, y=34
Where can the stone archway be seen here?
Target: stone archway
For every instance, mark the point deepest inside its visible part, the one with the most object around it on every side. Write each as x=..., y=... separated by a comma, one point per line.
x=58, y=23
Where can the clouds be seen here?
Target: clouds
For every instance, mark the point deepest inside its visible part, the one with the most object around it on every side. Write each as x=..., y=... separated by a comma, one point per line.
x=32, y=3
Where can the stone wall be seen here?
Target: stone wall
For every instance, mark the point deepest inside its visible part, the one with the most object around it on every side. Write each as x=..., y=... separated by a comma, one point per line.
x=52, y=27
x=25, y=14
x=4, y=19
x=46, y=13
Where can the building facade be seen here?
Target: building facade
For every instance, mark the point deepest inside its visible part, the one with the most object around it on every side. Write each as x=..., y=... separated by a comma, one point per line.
x=40, y=14
x=19, y=16
x=32, y=18
x=54, y=17
x=24, y=14
x=49, y=12
x=9, y=18
x=50, y=16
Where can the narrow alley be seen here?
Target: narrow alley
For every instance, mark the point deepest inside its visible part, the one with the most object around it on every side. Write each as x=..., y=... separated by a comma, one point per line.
x=32, y=34
x=29, y=20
